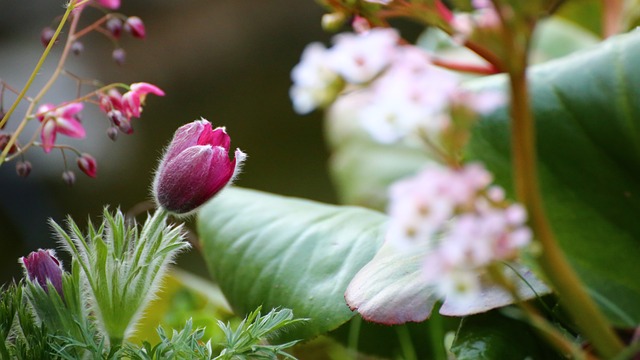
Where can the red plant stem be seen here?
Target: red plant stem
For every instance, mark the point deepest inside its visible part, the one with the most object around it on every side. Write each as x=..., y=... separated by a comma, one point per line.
x=465, y=67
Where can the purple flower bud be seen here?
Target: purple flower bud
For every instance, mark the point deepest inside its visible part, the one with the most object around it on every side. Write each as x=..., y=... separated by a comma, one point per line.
x=42, y=265
x=119, y=56
x=112, y=133
x=23, y=168
x=69, y=177
x=77, y=48
x=195, y=167
x=4, y=141
x=88, y=165
x=46, y=35
x=135, y=26
x=114, y=26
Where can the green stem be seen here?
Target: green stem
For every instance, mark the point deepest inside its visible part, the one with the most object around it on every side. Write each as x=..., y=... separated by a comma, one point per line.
x=404, y=337
x=436, y=336
x=563, y=278
x=354, y=335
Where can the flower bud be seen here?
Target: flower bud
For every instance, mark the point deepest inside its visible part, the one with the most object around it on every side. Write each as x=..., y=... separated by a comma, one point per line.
x=4, y=141
x=120, y=121
x=23, y=168
x=114, y=26
x=135, y=27
x=195, y=167
x=333, y=21
x=69, y=177
x=119, y=56
x=42, y=265
x=112, y=133
x=46, y=35
x=77, y=48
x=88, y=165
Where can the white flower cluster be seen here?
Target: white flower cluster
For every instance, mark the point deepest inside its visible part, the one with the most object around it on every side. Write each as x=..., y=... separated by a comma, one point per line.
x=397, y=91
x=465, y=224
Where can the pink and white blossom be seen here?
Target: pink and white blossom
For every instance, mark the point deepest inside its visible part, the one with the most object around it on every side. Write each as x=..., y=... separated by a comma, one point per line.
x=359, y=58
x=453, y=213
x=313, y=80
x=61, y=119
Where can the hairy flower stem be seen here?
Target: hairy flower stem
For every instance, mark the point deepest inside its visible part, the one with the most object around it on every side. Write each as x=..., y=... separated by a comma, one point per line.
x=563, y=278
x=74, y=23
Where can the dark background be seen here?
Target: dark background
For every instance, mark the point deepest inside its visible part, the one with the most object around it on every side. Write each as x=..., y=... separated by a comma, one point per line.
x=225, y=60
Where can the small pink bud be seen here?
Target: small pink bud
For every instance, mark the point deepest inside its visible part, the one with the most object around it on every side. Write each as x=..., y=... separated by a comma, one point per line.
x=4, y=141
x=119, y=56
x=46, y=35
x=77, y=48
x=69, y=177
x=195, y=167
x=42, y=265
x=120, y=121
x=23, y=168
x=112, y=133
x=114, y=26
x=88, y=165
x=135, y=26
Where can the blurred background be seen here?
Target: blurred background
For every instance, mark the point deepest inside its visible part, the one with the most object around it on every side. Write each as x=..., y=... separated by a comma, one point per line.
x=225, y=60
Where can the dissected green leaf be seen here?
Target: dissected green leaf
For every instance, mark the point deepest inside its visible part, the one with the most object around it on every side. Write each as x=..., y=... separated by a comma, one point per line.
x=276, y=251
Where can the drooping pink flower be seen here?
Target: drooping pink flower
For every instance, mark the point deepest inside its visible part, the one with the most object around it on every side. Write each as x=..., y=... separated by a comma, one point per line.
x=195, y=167
x=42, y=265
x=88, y=165
x=61, y=119
x=135, y=27
x=121, y=108
x=109, y=4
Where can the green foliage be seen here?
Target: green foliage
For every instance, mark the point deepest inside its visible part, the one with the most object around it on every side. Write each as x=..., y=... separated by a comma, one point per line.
x=20, y=335
x=184, y=344
x=494, y=336
x=282, y=252
x=122, y=267
x=587, y=122
x=246, y=341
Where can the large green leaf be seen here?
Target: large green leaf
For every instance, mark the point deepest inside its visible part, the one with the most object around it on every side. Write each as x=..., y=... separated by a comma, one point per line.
x=588, y=132
x=493, y=336
x=587, y=109
x=276, y=251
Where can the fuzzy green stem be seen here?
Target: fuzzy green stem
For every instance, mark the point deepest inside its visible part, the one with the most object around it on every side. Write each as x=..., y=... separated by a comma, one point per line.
x=563, y=278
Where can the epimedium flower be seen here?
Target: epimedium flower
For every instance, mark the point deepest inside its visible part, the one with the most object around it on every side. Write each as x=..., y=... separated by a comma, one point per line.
x=88, y=165
x=135, y=27
x=195, y=167
x=61, y=119
x=120, y=108
x=42, y=265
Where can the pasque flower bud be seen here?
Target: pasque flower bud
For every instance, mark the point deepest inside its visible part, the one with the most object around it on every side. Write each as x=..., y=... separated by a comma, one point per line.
x=195, y=167
x=42, y=265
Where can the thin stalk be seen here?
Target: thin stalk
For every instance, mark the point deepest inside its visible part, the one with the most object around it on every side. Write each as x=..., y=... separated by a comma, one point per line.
x=565, y=281
x=63, y=58
x=354, y=335
x=436, y=337
x=408, y=351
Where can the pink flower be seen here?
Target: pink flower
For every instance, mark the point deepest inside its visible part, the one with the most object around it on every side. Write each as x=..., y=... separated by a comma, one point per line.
x=195, y=167
x=109, y=4
x=88, y=165
x=62, y=119
x=42, y=265
x=121, y=108
x=135, y=26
